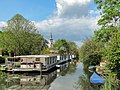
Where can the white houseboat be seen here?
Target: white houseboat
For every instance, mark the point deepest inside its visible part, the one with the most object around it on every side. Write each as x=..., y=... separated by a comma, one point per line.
x=35, y=62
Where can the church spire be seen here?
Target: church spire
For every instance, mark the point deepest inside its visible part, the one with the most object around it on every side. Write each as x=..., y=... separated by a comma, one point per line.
x=51, y=40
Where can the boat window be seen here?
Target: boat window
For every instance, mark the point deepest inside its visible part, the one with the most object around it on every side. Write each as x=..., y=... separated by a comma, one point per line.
x=50, y=60
x=47, y=60
x=37, y=59
x=53, y=60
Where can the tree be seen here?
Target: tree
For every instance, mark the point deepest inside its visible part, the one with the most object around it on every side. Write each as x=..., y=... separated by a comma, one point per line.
x=110, y=18
x=20, y=36
x=110, y=12
x=109, y=34
x=62, y=46
x=65, y=47
x=90, y=53
x=113, y=52
x=73, y=47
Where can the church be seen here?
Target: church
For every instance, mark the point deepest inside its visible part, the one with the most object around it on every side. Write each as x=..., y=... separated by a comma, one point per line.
x=51, y=42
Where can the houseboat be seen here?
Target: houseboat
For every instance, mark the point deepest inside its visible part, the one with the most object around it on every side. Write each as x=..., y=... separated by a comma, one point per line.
x=32, y=62
x=63, y=59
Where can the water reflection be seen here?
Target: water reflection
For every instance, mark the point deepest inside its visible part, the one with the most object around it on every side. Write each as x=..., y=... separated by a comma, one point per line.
x=7, y=82
x=31, y=82
x=71, y=68
x=68, y=81
x=82, y=83
x=69, y=78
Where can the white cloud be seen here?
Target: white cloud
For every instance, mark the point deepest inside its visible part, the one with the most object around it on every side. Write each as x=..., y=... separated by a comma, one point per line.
x=71, y=29
x=2, y=24
x=72, y=8
x=74, y=20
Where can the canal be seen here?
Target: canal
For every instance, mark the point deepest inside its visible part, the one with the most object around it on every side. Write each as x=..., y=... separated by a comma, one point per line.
x=67, y=77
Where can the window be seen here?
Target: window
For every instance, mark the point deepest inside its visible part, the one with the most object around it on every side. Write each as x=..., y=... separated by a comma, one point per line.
x=53, y=59
x=48, y=61
x=37, y=59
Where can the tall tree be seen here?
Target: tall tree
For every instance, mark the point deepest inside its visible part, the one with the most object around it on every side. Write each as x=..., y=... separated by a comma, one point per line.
x=110, y=12
x=110, y=18
x=112, y=53
x=90, y=53
x=73, y=49
x=20, y=36
x=109, y=34
x=65, y=47
x=62, y=46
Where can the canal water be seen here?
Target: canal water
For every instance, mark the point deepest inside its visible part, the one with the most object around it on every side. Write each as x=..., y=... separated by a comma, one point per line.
x=67, y=77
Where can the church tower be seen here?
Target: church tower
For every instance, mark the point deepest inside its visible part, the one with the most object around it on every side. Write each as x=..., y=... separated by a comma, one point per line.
x=51, y=41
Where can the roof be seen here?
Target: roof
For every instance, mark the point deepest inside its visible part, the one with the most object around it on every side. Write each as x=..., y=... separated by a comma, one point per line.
x=47, y=55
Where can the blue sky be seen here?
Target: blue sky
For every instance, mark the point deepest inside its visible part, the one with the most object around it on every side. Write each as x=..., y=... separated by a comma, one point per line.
x=34, y=10
x=73, y=20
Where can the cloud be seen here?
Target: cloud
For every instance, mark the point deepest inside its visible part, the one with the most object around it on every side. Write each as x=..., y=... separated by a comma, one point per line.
x=73, y=20
x=2, y=24
x=71, y=29
x=72, y=8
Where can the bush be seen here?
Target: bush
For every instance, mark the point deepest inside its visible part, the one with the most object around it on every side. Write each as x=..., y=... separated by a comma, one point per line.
x=2, y=60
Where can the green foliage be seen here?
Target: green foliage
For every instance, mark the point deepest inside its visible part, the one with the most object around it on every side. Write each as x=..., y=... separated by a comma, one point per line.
x=90, y=53
x=111, y=83
x=65, y=47
x=20, y=36
x=103, y=35
x=109, y=34
x=110, y=12
x=112, y=53
x=2, y=60
x=61, y=45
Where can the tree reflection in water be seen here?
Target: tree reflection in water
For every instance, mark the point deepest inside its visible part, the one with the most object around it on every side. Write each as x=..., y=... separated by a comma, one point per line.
x=70, y=69
x=6, y=81
x=26, y=82
x=82, y=83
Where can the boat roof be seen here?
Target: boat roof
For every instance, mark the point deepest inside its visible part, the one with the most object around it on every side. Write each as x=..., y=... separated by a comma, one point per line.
x=47, y=55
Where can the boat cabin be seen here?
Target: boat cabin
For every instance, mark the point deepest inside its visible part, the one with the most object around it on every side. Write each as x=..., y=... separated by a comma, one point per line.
x=45, y=62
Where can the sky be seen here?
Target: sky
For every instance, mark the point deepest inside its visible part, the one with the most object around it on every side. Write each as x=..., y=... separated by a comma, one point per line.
x=73, y=20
